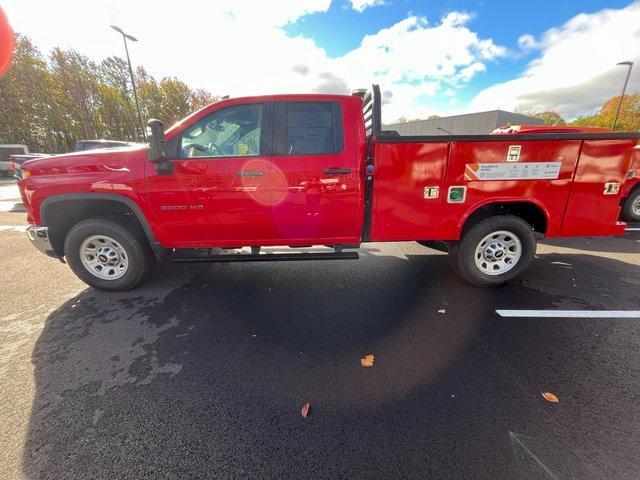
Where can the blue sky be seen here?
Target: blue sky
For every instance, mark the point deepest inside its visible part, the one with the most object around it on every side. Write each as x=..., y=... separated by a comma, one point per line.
x=429, y=57
x=340, y=29
x=504, y=21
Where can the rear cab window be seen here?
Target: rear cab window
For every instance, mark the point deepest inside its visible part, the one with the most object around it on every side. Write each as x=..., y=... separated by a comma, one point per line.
x=308, y=128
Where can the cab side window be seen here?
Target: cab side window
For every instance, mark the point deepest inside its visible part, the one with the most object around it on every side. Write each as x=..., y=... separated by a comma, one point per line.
x=308, y=128
x=229, y=132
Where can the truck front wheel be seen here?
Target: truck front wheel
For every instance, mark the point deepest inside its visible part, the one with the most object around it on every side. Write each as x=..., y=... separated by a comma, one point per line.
x=106, y=255
x=494, y=250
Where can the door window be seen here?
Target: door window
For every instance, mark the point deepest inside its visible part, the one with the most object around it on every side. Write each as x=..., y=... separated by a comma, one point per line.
x=228, y=132
x=308, y=128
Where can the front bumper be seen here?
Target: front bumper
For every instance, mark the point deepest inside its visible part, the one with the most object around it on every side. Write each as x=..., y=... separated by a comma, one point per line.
x=39, y=237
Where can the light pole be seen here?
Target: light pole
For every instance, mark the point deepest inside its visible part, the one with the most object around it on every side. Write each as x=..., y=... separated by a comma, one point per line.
x=624, y=89
x=126, y=37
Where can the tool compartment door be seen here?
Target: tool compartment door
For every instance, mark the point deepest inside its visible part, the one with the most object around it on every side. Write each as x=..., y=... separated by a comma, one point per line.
x=594, y=204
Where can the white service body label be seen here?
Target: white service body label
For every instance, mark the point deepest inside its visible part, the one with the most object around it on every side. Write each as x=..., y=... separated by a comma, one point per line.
x=512, y=171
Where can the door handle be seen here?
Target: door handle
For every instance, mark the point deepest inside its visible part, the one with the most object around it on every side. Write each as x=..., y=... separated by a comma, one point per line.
x=250, y=173
x=337, y=171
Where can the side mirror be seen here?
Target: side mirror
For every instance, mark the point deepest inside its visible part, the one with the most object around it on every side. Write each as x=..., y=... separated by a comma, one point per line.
x=156, y=153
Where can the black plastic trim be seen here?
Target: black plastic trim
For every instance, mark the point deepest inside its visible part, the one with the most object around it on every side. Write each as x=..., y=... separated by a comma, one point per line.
x=157, y=248
x=268, y=257
x=513, y=138
x=336, y=171
x=369, y=163
x=266, y=135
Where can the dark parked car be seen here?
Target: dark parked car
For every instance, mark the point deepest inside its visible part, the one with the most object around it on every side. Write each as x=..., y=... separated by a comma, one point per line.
x=8, y=150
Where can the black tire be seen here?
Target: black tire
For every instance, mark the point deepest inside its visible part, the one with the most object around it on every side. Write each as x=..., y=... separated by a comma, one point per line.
x=135, y=249
x=453, y=256
x=628, y=211
x=463, y=253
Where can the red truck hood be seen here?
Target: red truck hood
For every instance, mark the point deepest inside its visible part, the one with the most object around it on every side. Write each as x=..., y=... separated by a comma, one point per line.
x=112, y=159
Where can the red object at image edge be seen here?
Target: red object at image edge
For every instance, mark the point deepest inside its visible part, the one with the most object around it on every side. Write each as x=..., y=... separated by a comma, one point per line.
x=6, y=43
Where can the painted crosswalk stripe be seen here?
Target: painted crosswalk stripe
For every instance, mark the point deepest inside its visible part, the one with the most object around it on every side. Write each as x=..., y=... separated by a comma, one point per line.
x=13, y=228
x=11, y=206
x=570, y=313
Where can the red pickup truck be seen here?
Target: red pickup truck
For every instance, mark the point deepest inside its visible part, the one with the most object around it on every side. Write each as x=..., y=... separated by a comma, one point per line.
x=318, y=170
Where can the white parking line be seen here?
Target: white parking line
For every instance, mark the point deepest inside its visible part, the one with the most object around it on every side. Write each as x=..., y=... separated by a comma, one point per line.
x=13, y=228
x=15, y=206
x=632, y=229
x=570, y=313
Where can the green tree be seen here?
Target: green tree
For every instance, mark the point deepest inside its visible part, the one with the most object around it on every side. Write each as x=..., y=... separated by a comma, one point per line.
x=628, y=118
x=49, y=104
x=26, y=93
x=550, y=118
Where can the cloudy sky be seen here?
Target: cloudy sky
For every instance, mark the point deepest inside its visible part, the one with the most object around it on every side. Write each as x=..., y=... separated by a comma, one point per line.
x=429, y=57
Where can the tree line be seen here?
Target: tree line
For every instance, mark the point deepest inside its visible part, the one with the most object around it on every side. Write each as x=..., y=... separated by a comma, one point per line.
x=47, y=103
x=628, y=118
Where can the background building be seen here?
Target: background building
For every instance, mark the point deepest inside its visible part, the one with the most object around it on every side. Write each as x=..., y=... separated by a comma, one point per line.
x=480, y=123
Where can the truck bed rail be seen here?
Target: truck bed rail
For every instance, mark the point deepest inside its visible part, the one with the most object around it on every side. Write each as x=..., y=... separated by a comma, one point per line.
x=382, y=138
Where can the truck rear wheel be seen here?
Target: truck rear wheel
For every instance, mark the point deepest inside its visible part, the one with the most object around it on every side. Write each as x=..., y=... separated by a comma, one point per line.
x=632, y=207
x=106, y=255
x=494, y=250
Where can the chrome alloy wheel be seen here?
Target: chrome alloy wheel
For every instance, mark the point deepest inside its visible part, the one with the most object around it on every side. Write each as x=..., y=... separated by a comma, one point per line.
x=498, y=252
x=103, y=257
x=635, y=207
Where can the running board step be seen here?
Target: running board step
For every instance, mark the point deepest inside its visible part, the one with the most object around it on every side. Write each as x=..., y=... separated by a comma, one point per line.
x=268, y=257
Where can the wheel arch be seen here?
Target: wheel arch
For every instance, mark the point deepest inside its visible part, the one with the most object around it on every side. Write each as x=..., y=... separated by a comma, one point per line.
x=60, y=212
x=530, y=210
x=633, y=189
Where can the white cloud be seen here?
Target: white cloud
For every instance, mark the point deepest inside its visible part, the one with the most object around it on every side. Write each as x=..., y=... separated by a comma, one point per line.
x=575, y=71
x=238, y=47
x=415, y=59
x=361, y=5
x=527, y=42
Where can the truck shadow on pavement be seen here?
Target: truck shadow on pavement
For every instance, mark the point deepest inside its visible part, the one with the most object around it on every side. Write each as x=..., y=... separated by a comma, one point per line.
x=202, y=372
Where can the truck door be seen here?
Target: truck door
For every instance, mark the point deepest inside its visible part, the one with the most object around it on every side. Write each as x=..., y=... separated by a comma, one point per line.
x=315, y=184
x=218, y=192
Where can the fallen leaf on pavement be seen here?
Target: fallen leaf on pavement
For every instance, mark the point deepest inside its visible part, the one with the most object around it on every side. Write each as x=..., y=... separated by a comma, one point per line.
x=550, y=397
x=305, y=410
x=367, y=361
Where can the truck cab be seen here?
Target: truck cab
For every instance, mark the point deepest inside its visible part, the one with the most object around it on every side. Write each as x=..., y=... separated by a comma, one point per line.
x=262, y=171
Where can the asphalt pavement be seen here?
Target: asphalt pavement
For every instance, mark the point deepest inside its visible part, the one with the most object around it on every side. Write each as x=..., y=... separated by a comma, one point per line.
x=202, y=372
